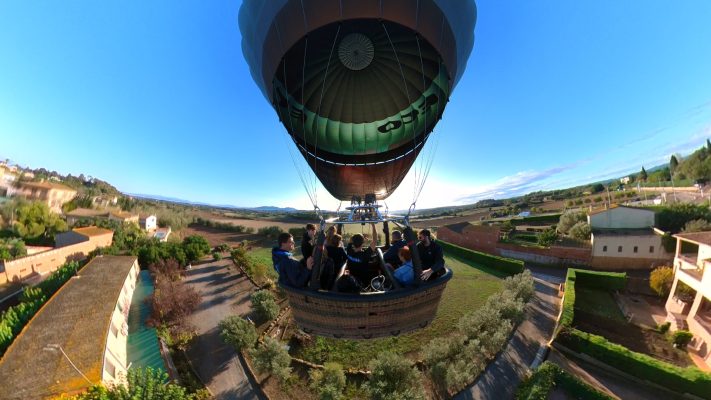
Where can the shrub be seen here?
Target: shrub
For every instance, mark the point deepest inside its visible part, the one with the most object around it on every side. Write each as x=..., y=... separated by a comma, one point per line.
x=569, y=219
x=329, y=382
x=548, y=237
x=238, y=332
x=216, y=256
x=270, y=231
x=681, y=338
x=393, y=377
x=580, y=231
x=502, y=264
x=195, y=247
x=549, y=375
x=697, y=225
x=272, y=357
x=661, y=280
x=663, y=328
x=264, y=305
x=521, y=285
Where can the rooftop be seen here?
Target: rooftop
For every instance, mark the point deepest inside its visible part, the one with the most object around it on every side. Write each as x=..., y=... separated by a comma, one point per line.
x=85, y=212
x=47, y=185
x=614, y=206
x=696, y=237
x=77, y=318
x=92, y=231
x=624, y=232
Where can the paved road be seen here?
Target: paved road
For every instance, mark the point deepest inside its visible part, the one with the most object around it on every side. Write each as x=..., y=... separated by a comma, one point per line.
x=224, y=292
x=501, y=377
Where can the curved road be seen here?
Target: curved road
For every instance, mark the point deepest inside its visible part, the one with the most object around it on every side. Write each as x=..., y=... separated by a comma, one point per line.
x=225, y=291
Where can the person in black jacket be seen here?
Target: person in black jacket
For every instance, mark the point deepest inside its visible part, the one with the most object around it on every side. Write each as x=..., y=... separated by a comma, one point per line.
x=308, y=241
x=431, y=256
x=359, y=256
x=292, y=272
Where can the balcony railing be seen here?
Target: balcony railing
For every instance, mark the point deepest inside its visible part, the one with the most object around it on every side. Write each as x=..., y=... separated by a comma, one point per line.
x=688, y=258
x=688, y=265
x=704, y=319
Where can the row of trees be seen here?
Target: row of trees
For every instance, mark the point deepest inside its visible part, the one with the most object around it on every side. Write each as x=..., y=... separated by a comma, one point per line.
x=451, y=362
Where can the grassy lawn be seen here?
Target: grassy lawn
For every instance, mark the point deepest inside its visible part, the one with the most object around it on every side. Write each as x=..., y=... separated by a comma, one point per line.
x=468, y=290
x=598, y=302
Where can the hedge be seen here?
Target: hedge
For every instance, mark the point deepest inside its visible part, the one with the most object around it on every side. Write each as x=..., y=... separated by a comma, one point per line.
x=539, y=385
x=642, y=366
x=502, y=264
x=587, y=279
x=554, y=218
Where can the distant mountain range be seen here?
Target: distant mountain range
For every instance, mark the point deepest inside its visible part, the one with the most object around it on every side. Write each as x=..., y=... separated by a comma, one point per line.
x=198, y=203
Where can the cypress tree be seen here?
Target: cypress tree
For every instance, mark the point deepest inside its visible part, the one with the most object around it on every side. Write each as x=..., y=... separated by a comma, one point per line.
x=673, y=163
x=643, y=175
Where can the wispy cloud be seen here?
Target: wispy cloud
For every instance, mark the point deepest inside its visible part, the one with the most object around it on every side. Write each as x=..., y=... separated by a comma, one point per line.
x=514, y=185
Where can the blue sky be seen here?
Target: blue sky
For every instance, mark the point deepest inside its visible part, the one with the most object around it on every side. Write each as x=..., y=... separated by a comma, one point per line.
x=156, y=98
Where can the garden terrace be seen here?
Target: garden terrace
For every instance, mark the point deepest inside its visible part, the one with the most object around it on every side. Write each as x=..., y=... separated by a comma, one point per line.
x=588, y=306
x=77, y=318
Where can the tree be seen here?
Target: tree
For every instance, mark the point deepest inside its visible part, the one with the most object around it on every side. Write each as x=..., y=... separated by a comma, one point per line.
x=238, y=332
x=643, y=175
x=329, y=382
x=580, y=231
x=697, y=225
x=393, y=377
x=35, y=221
x=673, y=164
x=661, y=280
x=548, y=237
x=142, y=384
x=271, y=357
x=673, y=218
x=264, y=305
x=570, y=218
x=597, y=188
x=195, y=247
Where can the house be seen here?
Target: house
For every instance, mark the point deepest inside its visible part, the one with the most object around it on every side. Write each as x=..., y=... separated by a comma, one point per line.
x=123, y=217
x=625, y=238
x=625, y=180
x=162, y=234
x=85, y=322
x=91, y=215
x=55, y=195
x=69, y=246
x=7, y=179
x=148, y=222
x=692, y=266
x=85, y=214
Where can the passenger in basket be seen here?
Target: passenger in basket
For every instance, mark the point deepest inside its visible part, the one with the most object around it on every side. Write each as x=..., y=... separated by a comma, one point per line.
x=397, y=243
x=359, y=257
x=292, y=272
x=308, y=241
x=431, y=256
x=405, y=274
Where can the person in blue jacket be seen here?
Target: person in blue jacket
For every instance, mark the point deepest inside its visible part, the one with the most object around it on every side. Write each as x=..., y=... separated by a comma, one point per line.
x=405, y=274
x=292, y=272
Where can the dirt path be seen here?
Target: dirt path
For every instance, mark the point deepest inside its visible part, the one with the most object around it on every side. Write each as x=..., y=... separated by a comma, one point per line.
x=502, y=376
x=224, y=292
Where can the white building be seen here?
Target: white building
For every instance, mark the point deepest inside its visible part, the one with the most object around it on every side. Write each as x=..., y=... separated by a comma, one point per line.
x=692, y=266
x=148, y=222
x=625, y=238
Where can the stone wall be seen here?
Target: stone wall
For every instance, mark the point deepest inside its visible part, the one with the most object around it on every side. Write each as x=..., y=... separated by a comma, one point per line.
x=48, y=261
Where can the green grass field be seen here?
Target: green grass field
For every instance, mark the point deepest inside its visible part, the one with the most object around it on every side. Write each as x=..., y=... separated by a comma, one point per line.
x=598, y=302
x=468, y=290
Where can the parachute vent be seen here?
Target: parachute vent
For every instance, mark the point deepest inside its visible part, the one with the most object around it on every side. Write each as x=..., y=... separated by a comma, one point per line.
x=356, y=51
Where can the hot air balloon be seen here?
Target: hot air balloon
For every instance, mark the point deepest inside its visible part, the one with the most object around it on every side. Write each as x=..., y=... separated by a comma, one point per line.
x=359, y=85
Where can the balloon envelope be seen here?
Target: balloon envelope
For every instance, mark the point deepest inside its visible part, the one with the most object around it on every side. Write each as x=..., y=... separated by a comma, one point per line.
x=358, y=85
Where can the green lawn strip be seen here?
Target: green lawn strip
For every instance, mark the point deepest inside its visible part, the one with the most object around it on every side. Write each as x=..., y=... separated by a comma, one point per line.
x=467, y=291
x=600, y=303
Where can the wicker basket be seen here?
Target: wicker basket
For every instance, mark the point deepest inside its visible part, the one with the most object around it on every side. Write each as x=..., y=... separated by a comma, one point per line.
x=366, y=315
